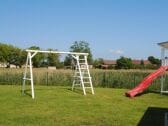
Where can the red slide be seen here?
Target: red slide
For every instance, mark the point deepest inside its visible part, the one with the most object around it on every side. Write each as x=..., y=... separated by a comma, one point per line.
x=146, y=82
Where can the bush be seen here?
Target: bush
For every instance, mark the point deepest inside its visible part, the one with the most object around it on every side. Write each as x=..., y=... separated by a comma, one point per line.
x=124, y=63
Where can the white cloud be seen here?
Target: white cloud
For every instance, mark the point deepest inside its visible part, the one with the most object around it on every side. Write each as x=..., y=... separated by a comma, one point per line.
x=117, y=52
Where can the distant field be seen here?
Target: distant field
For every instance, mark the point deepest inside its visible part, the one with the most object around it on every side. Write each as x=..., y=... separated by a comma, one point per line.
x=59, y=106
x=101, y=78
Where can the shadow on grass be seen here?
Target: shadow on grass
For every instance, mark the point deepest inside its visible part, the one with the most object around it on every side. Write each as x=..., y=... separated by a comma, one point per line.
x=147, y=92
x=154, y=117
x=158, y=92
x=26, y=92
x=78, y=90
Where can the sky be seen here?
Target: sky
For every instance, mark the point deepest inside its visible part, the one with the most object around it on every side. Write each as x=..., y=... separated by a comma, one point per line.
x=113, y=28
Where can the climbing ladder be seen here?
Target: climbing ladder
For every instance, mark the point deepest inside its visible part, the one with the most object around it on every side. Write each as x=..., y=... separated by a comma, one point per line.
x=82, y=76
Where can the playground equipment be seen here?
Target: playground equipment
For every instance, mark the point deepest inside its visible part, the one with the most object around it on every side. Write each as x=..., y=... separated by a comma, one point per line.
x=148, y=80
x=82, y=75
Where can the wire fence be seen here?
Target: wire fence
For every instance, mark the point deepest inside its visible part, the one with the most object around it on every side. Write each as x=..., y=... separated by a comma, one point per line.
x=101, y=78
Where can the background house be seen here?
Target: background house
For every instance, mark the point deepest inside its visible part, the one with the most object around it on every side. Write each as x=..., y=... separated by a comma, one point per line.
x=106, y=64
x=138, y=62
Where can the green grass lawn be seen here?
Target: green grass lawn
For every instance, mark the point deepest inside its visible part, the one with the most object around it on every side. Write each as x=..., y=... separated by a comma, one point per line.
x=59, y=106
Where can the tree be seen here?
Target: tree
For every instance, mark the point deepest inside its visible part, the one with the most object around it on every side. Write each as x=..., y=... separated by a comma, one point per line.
x=97, y=63
x=142, y=62
x=38, y=58
x=68, y=60
x=22, y=57
x=124, y=63
x=43, y=60
x=139, y=66
x=16, y=56
x=4, y=52
x=11, y=55
x=79, y=46
x=154, y=60
x=53, y=59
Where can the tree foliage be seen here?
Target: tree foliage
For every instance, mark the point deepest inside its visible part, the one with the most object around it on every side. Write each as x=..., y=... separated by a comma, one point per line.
x=17, y=56
x=97, y=63
x=11, y=55
x=53, y=59
x=38, y=58
x=124, y=63
x=154, y=60
x=79, y=46
x=43, y=59
x=68, y=60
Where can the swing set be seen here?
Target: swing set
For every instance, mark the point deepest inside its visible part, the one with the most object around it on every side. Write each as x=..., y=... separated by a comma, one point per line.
x=81, y=76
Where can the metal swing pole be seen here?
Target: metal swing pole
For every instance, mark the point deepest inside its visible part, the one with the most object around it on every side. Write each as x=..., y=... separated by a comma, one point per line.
x=25, y=74
x=29, y=62
x=163, y=64
x=31, y=75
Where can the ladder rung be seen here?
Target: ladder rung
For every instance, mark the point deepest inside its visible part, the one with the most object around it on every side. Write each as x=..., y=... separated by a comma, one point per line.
x=82, y=72
x=77, y=72
x=82, y=63
x=82, y=59
x=88, y=87
x=77, y=84
x=77, y=76
x=83, y=68
x=26, y=79
x=86, y=82
x=27, y=66
x=83, y=77
x=87, y=77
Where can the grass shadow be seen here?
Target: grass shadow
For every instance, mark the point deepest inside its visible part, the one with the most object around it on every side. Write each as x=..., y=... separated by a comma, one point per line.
x=26, y=92
x=151, y=91
x=78, y=90
x=154, y=117
x=158, y=92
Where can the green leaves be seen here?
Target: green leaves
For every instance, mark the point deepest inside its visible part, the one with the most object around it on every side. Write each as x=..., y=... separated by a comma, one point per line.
x=124, y=63
x=154, y=60
x=79, y=46
x=12, y=55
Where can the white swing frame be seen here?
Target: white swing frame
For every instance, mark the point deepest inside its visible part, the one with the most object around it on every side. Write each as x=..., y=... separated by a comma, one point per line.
x=32, y=53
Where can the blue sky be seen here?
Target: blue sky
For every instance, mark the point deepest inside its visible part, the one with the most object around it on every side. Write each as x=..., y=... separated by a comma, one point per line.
x=131, y=28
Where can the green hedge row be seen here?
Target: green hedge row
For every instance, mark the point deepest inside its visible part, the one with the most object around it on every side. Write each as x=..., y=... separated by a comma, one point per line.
x=101, y=78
